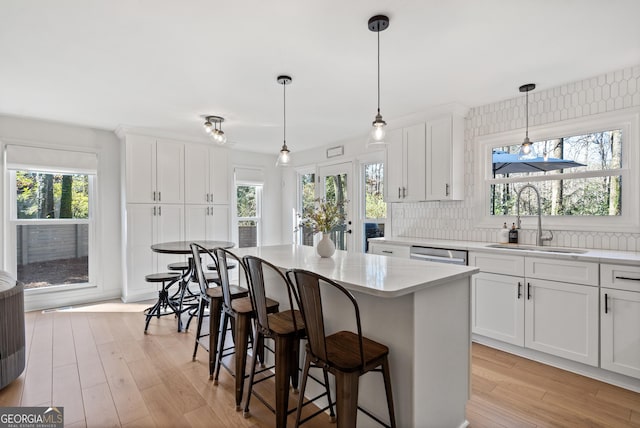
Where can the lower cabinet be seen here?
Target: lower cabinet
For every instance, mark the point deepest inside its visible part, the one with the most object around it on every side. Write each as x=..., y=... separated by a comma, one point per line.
x=620, y=331
x=562, y=319
x=148, y=224
x=498, y=307
x=555, y=317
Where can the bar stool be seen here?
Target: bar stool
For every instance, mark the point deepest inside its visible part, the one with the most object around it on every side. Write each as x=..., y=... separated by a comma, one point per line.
x=241, y=311
x=210, y=295
x=286, y=328
x=167, y=279
x=344, y=354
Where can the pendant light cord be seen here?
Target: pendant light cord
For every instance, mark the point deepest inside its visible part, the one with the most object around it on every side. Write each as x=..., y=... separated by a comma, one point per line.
x=527, y=116
x=284, y=112
x=378, y=71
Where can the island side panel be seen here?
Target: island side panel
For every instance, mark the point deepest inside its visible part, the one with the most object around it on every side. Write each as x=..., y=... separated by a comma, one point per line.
x=443, y=354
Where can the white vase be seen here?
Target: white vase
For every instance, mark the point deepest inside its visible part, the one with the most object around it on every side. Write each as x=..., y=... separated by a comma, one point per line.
x=326, y=247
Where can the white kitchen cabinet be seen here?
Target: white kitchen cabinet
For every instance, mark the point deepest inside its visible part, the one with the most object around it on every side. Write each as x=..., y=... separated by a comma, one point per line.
x=620, y=331
x=154, y=170
x=206, y=175
x=445, y=159
x=562, y=319
x=148, y=224
x=536, y=305
x=208, y=222
x=405, y=167
x=498, y=307
x=390, y=250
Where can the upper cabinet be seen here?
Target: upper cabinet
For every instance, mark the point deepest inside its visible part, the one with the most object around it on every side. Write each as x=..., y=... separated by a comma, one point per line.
x=425, y=162
x=206, y=175
x=445, y=159
x=155, y=170
x=405, y=172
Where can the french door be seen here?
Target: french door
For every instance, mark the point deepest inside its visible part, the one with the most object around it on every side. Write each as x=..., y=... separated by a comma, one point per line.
x=335, y=185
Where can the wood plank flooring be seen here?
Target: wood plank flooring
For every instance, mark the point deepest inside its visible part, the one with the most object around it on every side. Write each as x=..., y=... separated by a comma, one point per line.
x=97, y=363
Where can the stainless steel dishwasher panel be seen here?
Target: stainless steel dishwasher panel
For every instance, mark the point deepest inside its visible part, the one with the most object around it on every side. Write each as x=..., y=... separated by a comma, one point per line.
x=439, y=255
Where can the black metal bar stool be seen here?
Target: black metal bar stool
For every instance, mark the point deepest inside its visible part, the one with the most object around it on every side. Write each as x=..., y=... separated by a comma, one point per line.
x=167, y=279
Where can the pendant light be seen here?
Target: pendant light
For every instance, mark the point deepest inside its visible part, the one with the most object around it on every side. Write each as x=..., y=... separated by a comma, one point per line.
x=213, y=128
x=377, y=24
x=526, y=149
x=284, y=158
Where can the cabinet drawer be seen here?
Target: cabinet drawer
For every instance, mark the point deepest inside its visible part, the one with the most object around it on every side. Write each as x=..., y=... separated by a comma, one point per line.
x=389, y=250
x=497, y=263
x=562, y=270
x=620, y=277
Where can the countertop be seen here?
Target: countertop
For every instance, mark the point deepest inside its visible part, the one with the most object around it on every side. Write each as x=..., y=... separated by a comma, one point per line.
x=366, y=273
x=591, y=255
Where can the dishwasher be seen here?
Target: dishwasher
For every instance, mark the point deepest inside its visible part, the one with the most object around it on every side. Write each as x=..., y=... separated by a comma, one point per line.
x=438, y=255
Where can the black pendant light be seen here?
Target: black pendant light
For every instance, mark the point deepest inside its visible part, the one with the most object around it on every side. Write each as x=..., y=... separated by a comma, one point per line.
x=526, y=149
x=377, y=24
x=284, y=158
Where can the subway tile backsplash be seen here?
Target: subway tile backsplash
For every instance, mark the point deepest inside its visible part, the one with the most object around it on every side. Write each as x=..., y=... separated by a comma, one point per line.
x=455, y=219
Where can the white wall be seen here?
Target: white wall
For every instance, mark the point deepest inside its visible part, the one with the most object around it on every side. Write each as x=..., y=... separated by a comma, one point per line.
x=608, y=92
x=106, y=145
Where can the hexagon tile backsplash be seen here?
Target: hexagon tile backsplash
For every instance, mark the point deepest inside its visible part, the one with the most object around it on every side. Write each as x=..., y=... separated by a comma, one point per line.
x=455, y=219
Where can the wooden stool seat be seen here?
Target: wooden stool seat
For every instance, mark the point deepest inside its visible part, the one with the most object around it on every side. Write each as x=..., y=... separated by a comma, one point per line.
x=216, y=292
x=282, y=324
x=343, y=352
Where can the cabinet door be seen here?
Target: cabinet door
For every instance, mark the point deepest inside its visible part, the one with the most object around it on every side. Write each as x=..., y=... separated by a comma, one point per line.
x=170, y=172
x=218, y=226
x=415, y=143
x=196, y=217
x=141, y=260
x=497, y=308
x=438, y=159
x=196, y=174
x=620, y=332
x=219, y=186
x=170, y=227
x=394, y=168
x=562, y=319
x=140, y=169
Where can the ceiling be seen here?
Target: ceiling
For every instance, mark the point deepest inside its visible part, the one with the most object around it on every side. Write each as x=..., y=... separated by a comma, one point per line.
x=157, y=66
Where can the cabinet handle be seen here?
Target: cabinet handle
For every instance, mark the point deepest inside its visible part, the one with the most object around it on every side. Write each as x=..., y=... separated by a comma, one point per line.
x=207, y=197
x=404, y=192
x=387, y=252
x=209, y=211
x=159, y=210
x=628, y=278
x=446, y=189
x=211, y=197
x=519, y=290
x=159, y=196
x=398, y=193
x=528, y=291
x=154, y=195
x=606, y=306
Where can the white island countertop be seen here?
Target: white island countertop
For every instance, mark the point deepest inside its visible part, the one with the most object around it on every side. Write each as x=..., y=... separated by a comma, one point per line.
x=366, y=273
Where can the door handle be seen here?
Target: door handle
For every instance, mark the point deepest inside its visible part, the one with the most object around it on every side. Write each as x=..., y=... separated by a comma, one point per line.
x=446, y=189
x=154, y=210
x=159, y=210
x=519, y=290
x=606, y=306
x=159, y=196
x=348, y=231
x=404, y=192
x=154, y=195
x=528, y=291
x=207, y=197
x=398, y=193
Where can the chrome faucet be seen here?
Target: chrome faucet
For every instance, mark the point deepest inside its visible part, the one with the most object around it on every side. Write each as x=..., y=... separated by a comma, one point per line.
x=539, y=237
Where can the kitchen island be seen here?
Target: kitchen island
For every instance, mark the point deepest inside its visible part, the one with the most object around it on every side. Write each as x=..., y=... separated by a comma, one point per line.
x=420, y=310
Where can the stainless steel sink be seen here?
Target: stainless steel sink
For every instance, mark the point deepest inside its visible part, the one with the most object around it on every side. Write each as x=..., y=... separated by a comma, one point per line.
x=536, y=248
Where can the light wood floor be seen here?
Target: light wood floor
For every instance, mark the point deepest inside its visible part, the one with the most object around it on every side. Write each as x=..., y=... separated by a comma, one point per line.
x=98, y=364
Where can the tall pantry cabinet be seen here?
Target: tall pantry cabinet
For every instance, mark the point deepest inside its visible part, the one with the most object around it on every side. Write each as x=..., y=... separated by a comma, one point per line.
x=161, y=178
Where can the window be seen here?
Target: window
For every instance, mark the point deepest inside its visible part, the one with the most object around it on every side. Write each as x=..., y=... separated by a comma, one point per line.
x=306, y=197
x=248, y=209
x=51, y=221
x=584, y=171
x=375, y=209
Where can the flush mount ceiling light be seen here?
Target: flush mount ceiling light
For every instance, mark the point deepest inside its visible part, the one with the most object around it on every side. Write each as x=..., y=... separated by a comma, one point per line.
x=526, y=149
x=377, y=24
x=213, y=127
x=284, y=158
